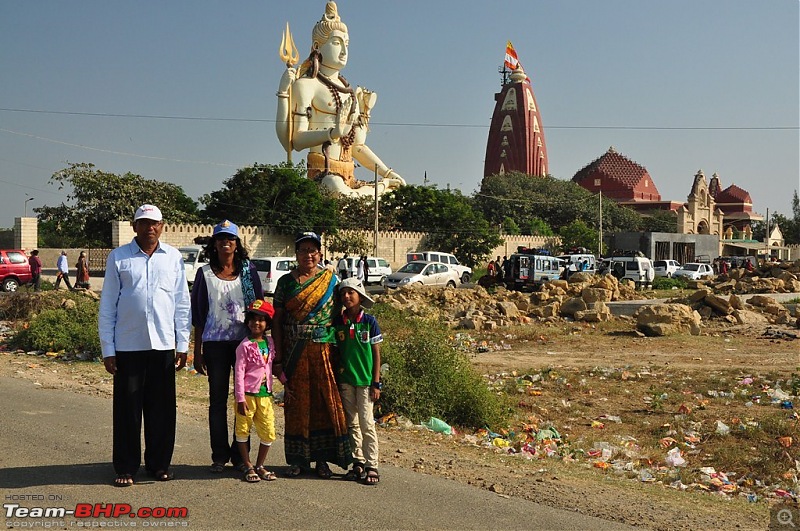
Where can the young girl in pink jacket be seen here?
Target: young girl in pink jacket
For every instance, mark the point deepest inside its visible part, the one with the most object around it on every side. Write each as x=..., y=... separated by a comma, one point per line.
x=253, y=389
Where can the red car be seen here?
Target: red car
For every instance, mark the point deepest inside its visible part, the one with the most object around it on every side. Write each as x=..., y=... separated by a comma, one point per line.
x=14, y=269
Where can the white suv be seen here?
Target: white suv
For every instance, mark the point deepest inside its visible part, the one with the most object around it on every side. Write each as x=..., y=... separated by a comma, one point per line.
x=666, y=268
x=639, y=269
x=464, y=272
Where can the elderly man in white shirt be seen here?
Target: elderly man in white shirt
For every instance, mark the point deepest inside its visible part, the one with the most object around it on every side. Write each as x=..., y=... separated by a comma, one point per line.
x=144, y=326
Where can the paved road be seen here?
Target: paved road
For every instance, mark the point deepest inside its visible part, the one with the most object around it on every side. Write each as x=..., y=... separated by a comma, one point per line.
x=57, y=446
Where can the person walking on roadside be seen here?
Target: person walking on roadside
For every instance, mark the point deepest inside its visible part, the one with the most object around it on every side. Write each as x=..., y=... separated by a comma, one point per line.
x=36, y=269
x=63, y=271
x=82, y=272
x=341, y=267
x=144, y=329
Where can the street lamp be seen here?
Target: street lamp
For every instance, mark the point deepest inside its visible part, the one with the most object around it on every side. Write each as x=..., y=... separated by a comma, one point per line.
x=26, y=204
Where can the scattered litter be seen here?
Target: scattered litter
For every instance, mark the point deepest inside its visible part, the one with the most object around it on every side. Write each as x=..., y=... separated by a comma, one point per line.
x=438, y=426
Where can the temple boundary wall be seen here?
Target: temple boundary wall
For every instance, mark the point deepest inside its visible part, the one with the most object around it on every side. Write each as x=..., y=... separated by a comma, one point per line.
x=266, y=241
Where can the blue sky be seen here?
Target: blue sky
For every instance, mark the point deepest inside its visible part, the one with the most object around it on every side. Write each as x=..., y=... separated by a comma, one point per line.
x=676, y=86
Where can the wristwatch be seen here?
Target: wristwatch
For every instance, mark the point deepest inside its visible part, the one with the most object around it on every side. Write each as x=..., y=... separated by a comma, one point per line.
x=377, y=385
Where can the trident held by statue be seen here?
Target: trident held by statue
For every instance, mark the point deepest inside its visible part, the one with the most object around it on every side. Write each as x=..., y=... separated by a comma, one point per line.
x=290, y=55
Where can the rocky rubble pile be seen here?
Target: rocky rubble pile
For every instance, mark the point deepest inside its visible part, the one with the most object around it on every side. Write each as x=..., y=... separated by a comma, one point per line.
x=581, y=298
x=754, y=310
x=781, y=277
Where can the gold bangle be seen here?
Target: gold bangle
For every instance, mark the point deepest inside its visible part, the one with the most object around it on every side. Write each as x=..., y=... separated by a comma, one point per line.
x=282, y=94
x=330, y=136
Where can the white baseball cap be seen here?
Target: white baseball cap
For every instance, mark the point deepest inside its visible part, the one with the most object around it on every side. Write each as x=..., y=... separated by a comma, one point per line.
x=147, y=212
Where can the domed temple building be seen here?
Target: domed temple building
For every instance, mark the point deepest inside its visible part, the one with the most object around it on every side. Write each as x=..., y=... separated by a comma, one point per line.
x=708, y=209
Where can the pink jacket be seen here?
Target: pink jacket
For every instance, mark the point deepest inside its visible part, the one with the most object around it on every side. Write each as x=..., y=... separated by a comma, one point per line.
x=250, y=369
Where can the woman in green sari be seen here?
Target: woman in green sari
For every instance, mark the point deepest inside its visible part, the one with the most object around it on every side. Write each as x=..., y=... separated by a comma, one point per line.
x=316, y=430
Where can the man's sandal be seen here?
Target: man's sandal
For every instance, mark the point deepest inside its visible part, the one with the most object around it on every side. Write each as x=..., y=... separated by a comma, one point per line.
x=217, y=468
x=356, y=473
x=265, y=474
x=372, y=477
x=123, y=480
x=323, y=470
x=251, y=476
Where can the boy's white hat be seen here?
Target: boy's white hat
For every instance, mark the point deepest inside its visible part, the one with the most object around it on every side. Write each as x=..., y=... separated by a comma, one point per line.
x=355, y=284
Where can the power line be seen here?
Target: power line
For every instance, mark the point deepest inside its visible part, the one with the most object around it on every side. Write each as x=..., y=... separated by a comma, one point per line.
x=408, y=124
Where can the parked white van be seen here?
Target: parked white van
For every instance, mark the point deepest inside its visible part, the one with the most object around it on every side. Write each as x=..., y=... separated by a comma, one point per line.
x=379, y=269
x=272, y=268
x=464, y=272
x=575, y=262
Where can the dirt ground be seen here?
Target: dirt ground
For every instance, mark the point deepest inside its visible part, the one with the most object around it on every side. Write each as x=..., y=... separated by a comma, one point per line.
x=577, y=378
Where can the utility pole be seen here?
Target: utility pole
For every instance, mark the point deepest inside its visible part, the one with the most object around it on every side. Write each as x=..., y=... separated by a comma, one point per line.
x=375, y=240
x=600, y=243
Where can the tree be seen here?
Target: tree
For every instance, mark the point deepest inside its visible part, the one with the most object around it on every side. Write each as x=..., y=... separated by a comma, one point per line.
x=578, y=234
x=538, y=227
x=659, y=221
x=354, y=244
x=99, y=198
x=528, y=200
x=450, y=220
x=275, y=196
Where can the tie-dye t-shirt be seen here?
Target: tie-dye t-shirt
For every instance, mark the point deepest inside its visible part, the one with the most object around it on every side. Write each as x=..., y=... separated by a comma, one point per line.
x=225, y=320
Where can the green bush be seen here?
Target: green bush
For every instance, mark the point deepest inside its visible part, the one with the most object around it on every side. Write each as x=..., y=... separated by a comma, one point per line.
x=71, y=330
x=669, y=283
x=427, y=377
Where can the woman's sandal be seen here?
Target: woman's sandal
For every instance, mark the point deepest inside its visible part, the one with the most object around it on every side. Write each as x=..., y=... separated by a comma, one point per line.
x=294, y=471
x=164, y=475
x=356, y=473
x=265, y=474
x=323, y=470
x=217, y=468
x=123, y=480
x=251, y=476
x=372, y=477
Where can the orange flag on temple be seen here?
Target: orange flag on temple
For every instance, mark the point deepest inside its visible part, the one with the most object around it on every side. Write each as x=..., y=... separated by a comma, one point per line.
x=511, y=56
x=512, y=61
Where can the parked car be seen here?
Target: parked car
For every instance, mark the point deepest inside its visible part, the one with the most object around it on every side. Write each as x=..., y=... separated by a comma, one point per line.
x=379, y=268
x=464, y=272
x=665, y=268
x=194, y=258
x=695, y=271
x=271, y=269
x=426, y=273
x=14, y=269
x=639, y=269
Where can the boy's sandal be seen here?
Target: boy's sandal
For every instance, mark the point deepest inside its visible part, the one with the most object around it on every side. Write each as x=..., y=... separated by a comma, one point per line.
x=265, y=474
x=251, y=476
x=123, y=480
x=323, y=470
x=294, y=471
x=217, y=468
x=356, y=473
x=372, y=477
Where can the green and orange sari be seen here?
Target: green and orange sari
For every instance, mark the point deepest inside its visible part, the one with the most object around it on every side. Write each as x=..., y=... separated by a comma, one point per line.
x=316, y=430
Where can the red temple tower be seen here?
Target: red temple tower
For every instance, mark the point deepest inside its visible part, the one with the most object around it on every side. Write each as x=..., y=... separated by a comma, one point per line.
x=516, y=135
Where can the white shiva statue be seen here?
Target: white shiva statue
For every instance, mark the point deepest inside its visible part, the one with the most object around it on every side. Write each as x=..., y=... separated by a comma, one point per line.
x=318, y=110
